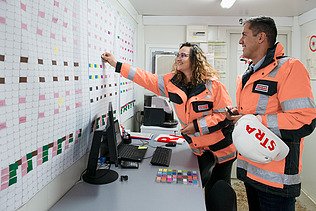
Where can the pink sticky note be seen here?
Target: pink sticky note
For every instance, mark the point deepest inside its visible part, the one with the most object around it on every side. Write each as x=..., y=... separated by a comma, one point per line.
x=23, y=6
x=39, y=162
x=67, y=108
x=22, y=119
x=56, y=3
x=52, y=35
x=56, y=95
x=78, y=104
x=41, y=14
x=4, y=186
x=2, y=102
x=39, y=151
x=2, y=20
x=64, y=39
x=24, y=166
x=42, y=97
x=23, y=159
x=24, y=172
x=67, y=93
x=5, y=178
x=65, y=24
x=24, y=26
x=22, y=100
x=56, y=111
x=54, y=20
x=2, y=125
x=5, y=171
x=41, y=115
x=39, y=31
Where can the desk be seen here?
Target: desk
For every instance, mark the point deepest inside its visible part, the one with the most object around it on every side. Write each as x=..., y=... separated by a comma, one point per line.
x=140, y=192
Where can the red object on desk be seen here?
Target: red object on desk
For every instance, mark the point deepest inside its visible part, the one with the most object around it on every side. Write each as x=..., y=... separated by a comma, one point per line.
x=167, y=139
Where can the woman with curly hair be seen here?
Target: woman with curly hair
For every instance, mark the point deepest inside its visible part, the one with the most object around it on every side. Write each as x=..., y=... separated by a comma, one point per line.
x=200, y=100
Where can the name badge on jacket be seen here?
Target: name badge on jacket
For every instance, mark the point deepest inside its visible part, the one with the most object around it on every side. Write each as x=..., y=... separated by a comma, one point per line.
x=265, y=87
x=201, y=106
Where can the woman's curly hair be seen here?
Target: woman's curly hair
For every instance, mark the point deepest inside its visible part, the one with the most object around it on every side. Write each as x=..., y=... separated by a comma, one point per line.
x=202, y=71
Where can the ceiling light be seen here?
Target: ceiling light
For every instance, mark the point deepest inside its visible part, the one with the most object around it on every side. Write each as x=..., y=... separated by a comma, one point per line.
x=227, y=3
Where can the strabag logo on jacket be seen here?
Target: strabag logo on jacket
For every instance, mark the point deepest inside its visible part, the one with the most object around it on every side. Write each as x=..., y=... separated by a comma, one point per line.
x=262, y=88
x=202, y=107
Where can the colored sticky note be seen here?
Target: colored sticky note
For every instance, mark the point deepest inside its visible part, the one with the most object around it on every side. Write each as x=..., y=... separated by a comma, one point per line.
x=55, y=50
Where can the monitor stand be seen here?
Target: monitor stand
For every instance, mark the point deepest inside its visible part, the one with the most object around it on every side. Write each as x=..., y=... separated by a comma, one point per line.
x=102, y=176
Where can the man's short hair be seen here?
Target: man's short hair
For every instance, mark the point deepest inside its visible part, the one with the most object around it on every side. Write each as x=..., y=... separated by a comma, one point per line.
x=263, y=24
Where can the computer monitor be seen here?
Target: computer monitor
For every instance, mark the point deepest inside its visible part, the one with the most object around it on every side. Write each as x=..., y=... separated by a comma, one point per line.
x=102, y=176
x=113, y=139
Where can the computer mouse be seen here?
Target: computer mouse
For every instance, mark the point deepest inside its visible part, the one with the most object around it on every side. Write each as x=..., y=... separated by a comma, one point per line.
x=171, y=144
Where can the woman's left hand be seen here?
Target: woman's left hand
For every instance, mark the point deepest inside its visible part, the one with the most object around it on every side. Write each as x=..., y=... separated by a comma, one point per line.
x=189, y=129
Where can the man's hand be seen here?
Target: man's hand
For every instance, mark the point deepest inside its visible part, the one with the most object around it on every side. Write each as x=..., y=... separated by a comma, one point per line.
x=109, y=58
x=189, y=129
x=232, y=114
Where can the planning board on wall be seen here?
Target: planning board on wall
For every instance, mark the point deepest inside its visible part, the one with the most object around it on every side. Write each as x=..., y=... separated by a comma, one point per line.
x=54, y=87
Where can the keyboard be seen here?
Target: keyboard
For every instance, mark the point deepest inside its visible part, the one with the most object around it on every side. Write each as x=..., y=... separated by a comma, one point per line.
x=131, y=152
x=161, y=156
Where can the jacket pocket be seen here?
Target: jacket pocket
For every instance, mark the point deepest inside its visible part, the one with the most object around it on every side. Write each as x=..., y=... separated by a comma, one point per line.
x=175, y=98
x=265, y=87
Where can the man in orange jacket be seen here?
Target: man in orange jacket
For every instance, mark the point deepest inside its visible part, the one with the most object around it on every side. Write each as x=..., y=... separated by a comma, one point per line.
x=199, y=99
x=277, y=89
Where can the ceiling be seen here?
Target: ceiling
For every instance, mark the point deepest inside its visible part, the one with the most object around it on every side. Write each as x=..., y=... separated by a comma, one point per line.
x=274, y=8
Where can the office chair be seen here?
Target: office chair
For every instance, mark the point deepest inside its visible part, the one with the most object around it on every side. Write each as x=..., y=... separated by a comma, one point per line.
x=222, y=197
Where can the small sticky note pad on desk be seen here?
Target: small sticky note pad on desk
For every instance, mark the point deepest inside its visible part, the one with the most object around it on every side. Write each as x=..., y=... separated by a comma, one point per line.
x=186, y=177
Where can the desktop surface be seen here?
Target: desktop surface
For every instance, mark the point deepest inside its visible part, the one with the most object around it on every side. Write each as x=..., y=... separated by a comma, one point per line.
x=140, y=191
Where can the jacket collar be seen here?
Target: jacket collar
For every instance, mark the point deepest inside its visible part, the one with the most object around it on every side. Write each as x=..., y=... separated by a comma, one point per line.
x=273, y=54
x=192, y=91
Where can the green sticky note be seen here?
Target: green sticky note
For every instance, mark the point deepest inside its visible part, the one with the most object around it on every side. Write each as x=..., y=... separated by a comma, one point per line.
x=142, y=147
x=29, y=166
x=12, y=181
x=13, y=166
x=12, y=173
x=29, y=156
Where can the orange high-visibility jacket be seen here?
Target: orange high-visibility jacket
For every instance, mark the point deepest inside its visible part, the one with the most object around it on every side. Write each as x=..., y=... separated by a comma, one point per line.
x=280, y=92
x=204, y=106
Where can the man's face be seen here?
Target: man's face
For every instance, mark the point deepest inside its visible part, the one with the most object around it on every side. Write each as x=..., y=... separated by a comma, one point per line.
x=249, y=43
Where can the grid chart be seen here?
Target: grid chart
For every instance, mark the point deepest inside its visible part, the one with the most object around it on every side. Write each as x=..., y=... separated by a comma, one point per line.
x=54, y=88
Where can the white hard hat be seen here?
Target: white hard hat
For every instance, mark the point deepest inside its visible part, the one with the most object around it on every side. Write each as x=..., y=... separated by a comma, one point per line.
x=256, y=142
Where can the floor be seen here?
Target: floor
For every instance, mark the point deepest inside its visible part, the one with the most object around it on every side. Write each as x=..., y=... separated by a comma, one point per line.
x=303, y=203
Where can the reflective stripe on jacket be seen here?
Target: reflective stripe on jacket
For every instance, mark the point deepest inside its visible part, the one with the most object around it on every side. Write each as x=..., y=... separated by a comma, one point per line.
x=280, y=92
x=204, y=105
